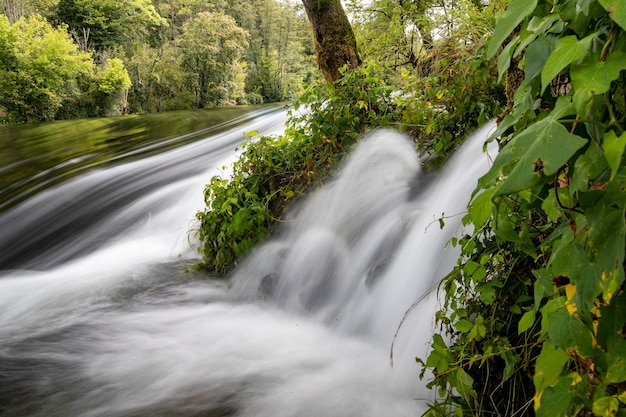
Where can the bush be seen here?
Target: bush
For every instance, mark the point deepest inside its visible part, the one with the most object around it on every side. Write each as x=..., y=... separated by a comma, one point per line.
x=457, y=93
x=534, y=312
x=274, y=171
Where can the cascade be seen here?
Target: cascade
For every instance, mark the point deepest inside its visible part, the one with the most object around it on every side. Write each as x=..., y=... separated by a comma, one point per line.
x=303, y=328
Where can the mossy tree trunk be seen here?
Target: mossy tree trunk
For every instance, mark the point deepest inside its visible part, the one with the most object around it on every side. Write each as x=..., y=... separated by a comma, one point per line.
x=335, y=44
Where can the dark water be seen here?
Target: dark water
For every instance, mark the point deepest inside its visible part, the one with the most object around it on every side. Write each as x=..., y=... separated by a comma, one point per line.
x=101, y=200
x=97, y=317
x=37, y=156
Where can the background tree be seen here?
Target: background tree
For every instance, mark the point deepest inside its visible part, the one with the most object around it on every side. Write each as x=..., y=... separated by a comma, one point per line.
x=113, y=83
x=13, y=9
x=104, y=24
x=212, y=45
x=39, y=68
x=158, y=81
x=398, y=32
x=281, y=56
x=335, y=44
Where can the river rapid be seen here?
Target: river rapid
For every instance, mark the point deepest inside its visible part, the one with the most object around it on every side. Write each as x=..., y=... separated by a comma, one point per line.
x=98, y=316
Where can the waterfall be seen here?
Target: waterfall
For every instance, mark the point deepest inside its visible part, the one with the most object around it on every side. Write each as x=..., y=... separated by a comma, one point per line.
x=303, y=328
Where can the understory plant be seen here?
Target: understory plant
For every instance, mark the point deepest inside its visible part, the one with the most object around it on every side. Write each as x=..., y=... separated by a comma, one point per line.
x=273, y=171
x=453, y=88
x=533, y=318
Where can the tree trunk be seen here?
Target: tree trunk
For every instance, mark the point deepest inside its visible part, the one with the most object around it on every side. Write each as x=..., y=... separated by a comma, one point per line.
x=13, y=9
x=335, y=44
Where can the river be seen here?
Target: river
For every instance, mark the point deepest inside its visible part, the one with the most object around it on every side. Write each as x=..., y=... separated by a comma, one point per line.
x=99, y=316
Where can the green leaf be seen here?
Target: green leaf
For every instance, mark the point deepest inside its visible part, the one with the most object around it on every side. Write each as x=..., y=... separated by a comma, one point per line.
x=556, y=399
x=551, y=306
x=614, y=150
x=475, y=270
x=612, y=322
x=607, y=233
x=513, y=15
x=617, y=11
x=504, y=60
x=550, y=23
x=478, y=332
x=487, y=293
x=605, y=406
x=536, y=56
x=567, y=332
x=543, y=285
x=548, y=369
x=463, y=382
x=464, y=326
x=568, y=49
x=588, y=285
x=527, y=321
x=439, y=357
x=511, y=359
x=616, y=358
x=569, y=259
x=541, y=149
x=549, y=365
x=551, y=207
x=526, y=38
x=241, y=220
x=587, y=167
x=595, y=77
x=481, y=207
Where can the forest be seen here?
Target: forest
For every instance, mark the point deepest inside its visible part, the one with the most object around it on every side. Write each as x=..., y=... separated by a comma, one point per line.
x=85, y=58
x=532, y=316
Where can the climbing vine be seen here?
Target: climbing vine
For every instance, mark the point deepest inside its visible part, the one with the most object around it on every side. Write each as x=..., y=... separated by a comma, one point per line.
x=534, y=315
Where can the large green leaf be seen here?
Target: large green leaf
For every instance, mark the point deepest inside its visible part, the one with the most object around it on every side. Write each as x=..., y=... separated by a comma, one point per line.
x=617, y=10
x=548, y=369
x=543, y=285
x=567, y=332
x=539, y=150
x=614, y=150
x=569, y=259
x=595, y=77
x=504, y=60
x=568, y=49
x=481, y=208
x=537, y=53
x=605, y=406
x=613, y=321
x=514, y=14
x=556, y=399
x=616, y=359
x=607, y=235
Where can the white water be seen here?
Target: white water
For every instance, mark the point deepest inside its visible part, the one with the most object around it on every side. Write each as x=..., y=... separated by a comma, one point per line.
x=304, y=328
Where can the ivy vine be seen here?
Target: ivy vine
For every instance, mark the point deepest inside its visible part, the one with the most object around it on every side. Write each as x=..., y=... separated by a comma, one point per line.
x=534, y=315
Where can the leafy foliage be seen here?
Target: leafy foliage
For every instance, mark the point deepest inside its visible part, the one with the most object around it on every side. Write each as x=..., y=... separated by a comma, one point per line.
x=108, y=23
x=448, y=86
x=162, y=51
x=114, y=77
x=212, y=45
x=459, y=94
x=273, y=171
x=39, y=68
x=533, y=313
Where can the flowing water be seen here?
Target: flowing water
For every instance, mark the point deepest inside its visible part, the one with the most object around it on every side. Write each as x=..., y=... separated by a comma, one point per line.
x=97, y=317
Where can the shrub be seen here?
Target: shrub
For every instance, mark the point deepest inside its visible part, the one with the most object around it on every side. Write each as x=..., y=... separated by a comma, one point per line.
x=534, y=310
x=274, y=171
